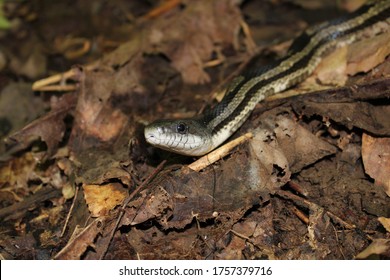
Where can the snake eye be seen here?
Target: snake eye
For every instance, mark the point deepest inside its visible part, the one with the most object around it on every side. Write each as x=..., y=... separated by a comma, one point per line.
x=181, y=128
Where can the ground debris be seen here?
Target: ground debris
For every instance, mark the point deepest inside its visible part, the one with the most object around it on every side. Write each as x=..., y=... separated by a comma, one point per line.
x=79, y=181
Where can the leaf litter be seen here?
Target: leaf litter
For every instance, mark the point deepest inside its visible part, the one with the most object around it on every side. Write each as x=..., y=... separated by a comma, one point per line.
x=300, y=189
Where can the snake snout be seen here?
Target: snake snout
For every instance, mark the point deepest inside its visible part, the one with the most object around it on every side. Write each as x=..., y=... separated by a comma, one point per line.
x=150, y=136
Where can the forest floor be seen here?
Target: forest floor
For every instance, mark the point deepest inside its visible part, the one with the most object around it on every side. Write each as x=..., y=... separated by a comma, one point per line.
x=79, y=80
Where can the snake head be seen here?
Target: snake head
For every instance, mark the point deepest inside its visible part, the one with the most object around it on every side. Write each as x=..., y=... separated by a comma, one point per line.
x=187, y=137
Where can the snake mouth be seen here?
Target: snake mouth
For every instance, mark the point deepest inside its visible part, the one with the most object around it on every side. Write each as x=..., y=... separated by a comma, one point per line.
x=173, y=143
x=151, y=138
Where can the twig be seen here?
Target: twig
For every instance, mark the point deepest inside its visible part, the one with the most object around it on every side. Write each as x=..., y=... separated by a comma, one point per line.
x=338, y=242
x=34, y=199
x=313, y=206
x=163, y=8
x=70, y=212
x=240, y=235
x=296, y=187
x=218, y=153
x=127, y=200
x=300, y=215
x=38, y=85
x=57, y=87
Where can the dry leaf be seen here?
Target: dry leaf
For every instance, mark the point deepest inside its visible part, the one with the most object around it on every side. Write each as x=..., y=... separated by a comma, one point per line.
x=49, y=128
x=377, y=247
x=81, y=239
x=385, y=223
x=376, y=160
x=189, y=38
x=154, y=206
x=95, y=116
x=102, y=199
x=300, y=146
x=332, y=69
x=367, y=54
x=16, y=174
x=234, y=249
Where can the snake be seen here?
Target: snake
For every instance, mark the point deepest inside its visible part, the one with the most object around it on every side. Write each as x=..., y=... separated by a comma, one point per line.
x=203, y=133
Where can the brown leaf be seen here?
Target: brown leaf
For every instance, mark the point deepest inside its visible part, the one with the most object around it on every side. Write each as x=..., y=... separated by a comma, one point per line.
x=376, y=160
x=49, y=128
x=367, y=54
x=95, y=117
x=80, y=241
x=234, y=249
x=225, y=193
x=155, y=205
x=300, y=146
x=152, y=243
x=99, y=168
x=340, y=106
x=319, y=230
x=197, y=29
x=102, y=199
x=18, y=172
x=267, y=154
x=332, y=69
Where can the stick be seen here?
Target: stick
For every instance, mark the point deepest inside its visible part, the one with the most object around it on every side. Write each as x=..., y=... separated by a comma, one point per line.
x=219, y=153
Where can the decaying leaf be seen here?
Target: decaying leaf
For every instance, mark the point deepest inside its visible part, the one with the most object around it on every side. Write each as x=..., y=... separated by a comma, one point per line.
x=319, y=229
x=154, y=206
x=100, y=168
x=376, y=159
x=340, y=106
x=18, y=172
x=50, y=128
x=300, y=146
x=202, y=26
x=255, y=231
x=81, y=239
x=102, y=199
x=95, y=118
x=234, y=250
x=213, y=194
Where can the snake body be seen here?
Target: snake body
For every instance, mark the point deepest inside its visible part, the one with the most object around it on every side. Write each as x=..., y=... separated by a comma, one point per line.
x=201, y=134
